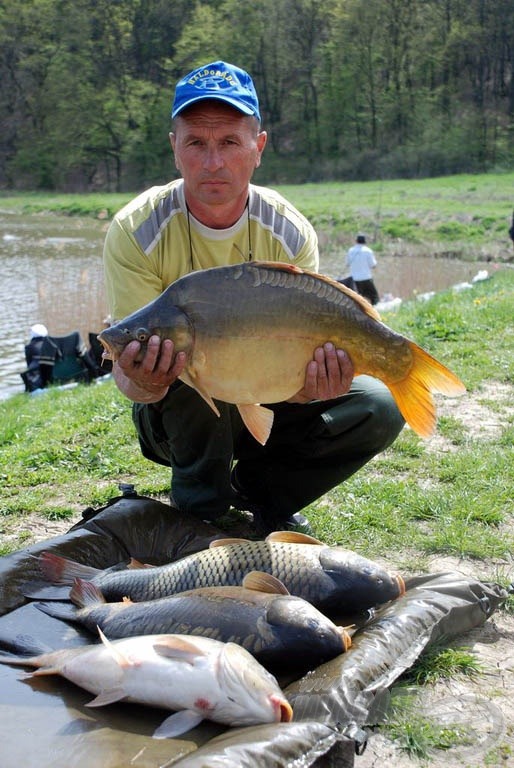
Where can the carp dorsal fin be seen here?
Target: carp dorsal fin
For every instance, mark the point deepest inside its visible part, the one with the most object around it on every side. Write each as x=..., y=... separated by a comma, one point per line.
x=228, y=540
x=293, y=269
x=134, y=565
x=264, y=582
x=174, y=647
x=292, y=537
x=120, y=658
x=258, y=420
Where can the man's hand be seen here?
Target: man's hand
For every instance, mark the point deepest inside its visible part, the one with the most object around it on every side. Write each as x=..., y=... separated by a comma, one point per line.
x=328, y=375
x=148, y=380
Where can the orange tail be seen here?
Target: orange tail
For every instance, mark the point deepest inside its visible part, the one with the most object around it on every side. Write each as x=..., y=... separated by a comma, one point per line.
x=413, y=394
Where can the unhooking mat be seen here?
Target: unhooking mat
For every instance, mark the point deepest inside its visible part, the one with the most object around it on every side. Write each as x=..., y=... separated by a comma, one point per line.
x=43, y=721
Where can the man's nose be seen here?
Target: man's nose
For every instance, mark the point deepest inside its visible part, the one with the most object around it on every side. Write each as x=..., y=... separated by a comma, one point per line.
x=213, y=159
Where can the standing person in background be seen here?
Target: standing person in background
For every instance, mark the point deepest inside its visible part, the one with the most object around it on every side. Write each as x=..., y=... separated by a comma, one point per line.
x=361, y=261
x=210, y=217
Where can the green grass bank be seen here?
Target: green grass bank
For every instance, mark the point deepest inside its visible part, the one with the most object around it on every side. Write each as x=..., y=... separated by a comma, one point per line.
x=463, y=215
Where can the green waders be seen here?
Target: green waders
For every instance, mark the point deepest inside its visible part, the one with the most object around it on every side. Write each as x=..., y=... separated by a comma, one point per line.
x=311, y=449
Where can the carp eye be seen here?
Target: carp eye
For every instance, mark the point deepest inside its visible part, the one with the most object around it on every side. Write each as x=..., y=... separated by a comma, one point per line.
x=141, y=334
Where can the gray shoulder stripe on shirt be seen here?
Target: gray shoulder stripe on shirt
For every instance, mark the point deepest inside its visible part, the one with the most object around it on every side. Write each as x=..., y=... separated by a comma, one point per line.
x=149, y=232
x=282, y=228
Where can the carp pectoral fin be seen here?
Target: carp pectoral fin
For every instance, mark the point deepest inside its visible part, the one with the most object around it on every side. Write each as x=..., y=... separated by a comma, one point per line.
x=258, y=420
x=264, y=582
x=413, y=394
x=107, y=697
x=178, y=723
x=173, y=647
x=192, y=382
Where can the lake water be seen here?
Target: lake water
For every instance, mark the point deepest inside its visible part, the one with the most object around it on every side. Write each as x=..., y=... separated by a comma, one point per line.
x=51, y=273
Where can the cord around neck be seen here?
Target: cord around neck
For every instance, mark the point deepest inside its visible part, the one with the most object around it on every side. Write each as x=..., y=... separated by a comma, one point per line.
x=250, y=252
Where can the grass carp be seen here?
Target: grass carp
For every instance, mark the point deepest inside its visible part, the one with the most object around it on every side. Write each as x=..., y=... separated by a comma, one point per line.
x=249, y=331
x=281, y=631
x=327, y=577
x=199, y=677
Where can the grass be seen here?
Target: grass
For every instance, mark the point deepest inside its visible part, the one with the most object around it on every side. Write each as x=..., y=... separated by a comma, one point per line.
x=442, y=663
x=409, y=724
x=419, y=735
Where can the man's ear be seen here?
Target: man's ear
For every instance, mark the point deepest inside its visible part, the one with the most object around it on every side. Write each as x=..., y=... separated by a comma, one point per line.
x=173, y=139
x=262, y=138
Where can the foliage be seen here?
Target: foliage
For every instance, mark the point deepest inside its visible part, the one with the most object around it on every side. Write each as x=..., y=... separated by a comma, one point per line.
x=349, y=89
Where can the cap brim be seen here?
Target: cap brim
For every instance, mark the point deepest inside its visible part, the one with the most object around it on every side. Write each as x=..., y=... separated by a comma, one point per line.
x=246, y=110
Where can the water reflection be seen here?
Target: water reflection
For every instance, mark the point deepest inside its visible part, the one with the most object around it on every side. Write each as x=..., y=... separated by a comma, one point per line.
x=51, y=273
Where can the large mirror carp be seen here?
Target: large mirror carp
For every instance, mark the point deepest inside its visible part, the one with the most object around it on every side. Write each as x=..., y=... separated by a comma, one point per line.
x=249, y=331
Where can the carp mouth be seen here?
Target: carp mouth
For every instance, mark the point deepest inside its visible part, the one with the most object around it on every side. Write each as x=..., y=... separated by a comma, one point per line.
x=282, y=708
x=401, y=585
x=109, y=352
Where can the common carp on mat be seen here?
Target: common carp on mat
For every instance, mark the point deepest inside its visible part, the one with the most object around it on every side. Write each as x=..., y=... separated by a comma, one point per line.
x=327, y=577
x=249, y=331
x=281, y=631
x=200, y=677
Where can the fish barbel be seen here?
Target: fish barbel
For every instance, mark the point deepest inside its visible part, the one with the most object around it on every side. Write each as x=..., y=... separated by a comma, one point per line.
x=327, y=577
x=249, y=331
x=281, y=631
x=199, y=677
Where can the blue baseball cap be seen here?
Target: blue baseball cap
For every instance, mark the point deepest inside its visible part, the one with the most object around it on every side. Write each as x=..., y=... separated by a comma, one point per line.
x=220, y=81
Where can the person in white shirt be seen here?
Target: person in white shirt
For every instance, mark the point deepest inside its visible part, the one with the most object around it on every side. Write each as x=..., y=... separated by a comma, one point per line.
x=361, y=261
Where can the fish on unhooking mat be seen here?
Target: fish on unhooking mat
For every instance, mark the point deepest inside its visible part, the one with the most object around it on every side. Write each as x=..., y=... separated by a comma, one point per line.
x=283, y=632
x=249, y=331
x=327, y=577
x=197, y=677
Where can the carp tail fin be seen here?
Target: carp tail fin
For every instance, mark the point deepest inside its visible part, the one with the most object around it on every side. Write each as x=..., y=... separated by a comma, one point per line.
x=413, y=394
x=62, y=570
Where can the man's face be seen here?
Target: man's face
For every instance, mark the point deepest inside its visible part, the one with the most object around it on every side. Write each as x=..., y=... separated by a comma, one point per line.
x=216, y=149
